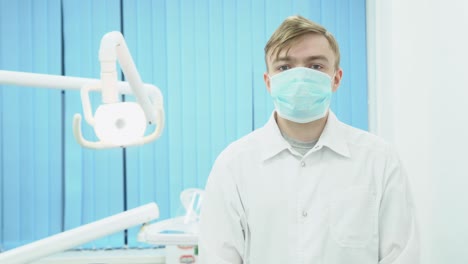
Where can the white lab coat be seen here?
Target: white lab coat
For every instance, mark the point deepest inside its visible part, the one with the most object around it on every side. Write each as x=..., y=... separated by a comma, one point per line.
x=346, y=201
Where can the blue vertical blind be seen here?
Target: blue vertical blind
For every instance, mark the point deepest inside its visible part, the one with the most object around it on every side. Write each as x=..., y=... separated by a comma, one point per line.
x=94, y=180
x=207, y=58
x=30, y=124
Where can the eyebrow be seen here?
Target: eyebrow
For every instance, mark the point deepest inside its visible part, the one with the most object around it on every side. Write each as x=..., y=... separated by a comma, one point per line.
x=310, y=58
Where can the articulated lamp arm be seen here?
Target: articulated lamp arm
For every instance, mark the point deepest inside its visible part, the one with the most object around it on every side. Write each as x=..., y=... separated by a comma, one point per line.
x=115, y=125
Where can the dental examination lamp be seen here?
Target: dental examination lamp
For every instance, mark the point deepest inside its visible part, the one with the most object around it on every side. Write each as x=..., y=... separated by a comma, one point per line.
x=116, y=124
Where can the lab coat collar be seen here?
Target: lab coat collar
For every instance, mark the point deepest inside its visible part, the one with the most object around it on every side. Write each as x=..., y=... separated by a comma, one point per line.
x=272, y=139
x=332, y=137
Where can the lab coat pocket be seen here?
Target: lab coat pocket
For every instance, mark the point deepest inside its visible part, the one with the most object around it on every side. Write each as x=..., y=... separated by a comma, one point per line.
x=353, y=217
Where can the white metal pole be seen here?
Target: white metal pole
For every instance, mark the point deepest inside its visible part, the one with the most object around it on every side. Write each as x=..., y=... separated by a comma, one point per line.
x=38, y=80
x=28, y=79
x=80, y=235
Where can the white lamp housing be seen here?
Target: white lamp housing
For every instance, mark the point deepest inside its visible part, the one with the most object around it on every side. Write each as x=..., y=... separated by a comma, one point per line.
x=119, y=124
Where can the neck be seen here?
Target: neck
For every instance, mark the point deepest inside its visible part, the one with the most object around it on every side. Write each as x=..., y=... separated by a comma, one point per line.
x=302, y=132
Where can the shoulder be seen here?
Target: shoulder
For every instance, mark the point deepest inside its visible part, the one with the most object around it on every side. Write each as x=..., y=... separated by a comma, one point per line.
x=359, y=138
x=248, y=145
x=377, y=153
x=237, y=156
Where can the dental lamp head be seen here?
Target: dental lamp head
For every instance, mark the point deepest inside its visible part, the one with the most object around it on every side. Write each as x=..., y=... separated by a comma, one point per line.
x=119, y=123
x=115, y=123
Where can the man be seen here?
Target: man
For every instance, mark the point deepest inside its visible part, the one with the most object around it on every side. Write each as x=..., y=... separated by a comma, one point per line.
x=307, y=188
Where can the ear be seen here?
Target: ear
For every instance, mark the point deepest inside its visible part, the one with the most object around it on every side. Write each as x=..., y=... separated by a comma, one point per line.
x=266, y=79
x=337, y=79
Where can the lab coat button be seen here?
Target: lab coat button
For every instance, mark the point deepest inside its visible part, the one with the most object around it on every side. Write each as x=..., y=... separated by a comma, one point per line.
x=304, y=214
x=302, y=164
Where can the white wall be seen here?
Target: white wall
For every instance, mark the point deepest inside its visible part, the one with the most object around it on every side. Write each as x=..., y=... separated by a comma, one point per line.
x=419, y=101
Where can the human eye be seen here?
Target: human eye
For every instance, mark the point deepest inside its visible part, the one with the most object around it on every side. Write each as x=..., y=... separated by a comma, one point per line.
x=283, y=68
x=317, y=67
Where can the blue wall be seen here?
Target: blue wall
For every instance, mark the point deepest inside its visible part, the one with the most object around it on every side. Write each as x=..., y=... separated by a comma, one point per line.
x=207, y=58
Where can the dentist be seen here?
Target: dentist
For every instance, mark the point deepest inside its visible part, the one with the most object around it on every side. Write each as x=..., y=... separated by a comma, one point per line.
x=307, y=188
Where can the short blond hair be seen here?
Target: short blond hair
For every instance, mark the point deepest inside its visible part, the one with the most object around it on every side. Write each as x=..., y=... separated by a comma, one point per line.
x=292, y=29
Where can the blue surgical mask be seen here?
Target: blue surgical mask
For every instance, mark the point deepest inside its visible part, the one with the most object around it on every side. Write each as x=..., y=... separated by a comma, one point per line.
x=301, y=94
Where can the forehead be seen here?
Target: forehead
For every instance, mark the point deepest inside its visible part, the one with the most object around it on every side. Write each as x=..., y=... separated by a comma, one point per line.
x=309, y=45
